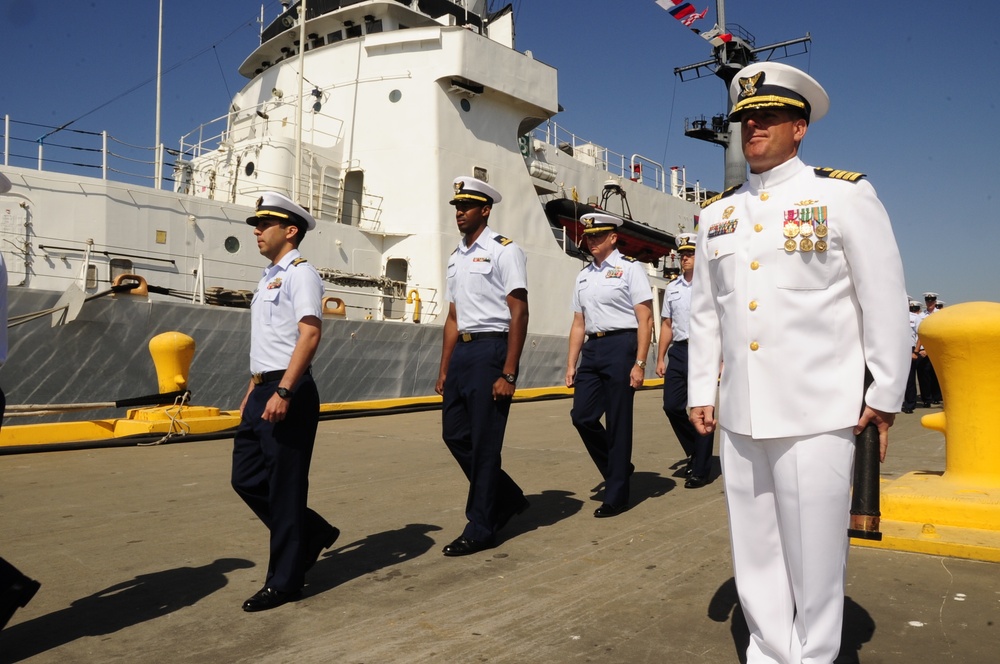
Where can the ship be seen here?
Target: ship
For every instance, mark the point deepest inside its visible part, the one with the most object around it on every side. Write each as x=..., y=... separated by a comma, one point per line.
x=363, y=111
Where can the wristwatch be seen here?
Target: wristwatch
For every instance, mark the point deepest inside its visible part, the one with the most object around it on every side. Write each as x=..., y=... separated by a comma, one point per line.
x=284, y=393
x=641, y=364
x=510, y=378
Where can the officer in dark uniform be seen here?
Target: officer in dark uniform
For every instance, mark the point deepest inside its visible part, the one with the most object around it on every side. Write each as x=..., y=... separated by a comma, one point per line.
x=910, y=395
x=612, y=310
x=16, y=590
x=483, y=337
x=674, y=333
x=274, y=442
x=930, y=389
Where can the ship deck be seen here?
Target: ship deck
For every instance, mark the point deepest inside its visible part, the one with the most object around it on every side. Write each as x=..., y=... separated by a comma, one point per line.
x=145, y=555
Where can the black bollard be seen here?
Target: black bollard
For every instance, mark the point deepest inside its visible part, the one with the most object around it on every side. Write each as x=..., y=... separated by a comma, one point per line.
x=865, y=498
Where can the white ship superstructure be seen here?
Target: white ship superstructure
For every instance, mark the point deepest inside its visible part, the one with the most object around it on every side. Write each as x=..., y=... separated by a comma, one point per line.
x=367, y=124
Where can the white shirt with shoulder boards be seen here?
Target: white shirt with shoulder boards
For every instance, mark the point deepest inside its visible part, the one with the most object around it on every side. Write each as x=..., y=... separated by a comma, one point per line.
x=480, y=277
x=795, y=322
x=288, y=292
x=677, y=307
x=607, y=294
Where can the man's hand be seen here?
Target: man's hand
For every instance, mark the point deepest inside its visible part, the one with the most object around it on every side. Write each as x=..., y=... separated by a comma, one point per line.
x=636, y=376
x=703, y=419
x=275, y=410
x=880, y=419
x=502, y=389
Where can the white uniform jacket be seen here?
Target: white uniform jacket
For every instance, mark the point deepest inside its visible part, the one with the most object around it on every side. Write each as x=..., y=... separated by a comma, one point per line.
x=796, y=328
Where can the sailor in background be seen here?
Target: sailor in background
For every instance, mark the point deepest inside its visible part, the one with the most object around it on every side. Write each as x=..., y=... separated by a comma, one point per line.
x=16, y=590
x=611, y=330
x=280, y=411
x=910, y=396
x=930, y=389
x=484, y=334
x=674, y=333
x=799, y=286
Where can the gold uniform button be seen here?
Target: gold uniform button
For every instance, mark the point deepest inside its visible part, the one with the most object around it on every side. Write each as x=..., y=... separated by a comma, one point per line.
x=753, y=305
x=758, y=228
x=764, y=196
x=754, y=265
x=754, y=345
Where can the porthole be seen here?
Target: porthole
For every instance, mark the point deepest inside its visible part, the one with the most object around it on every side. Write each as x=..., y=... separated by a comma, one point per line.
x=466, y=105
x=249, y=168
x=232, y=244
x=395, y=96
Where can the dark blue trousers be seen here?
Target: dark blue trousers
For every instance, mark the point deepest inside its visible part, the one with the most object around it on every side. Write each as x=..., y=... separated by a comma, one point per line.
x=697, y=447
x=271, y=474
x=601, y=388
x=473, y=426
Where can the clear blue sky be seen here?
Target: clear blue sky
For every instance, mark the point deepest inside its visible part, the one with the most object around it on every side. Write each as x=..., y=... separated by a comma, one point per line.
x=914, y=93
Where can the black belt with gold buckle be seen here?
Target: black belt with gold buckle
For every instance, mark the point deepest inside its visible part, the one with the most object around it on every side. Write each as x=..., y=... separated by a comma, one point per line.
x=472, y=336
x=269, y=376
x=611, y=333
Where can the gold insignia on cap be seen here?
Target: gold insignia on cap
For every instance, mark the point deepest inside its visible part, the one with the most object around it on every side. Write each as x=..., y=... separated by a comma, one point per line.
x=260, y=201
x=588, y=222
x=749, y=84
x=459, y=186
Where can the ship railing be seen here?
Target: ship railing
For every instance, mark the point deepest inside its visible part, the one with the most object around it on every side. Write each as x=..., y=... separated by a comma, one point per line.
x=636, y=168
x=76, y=152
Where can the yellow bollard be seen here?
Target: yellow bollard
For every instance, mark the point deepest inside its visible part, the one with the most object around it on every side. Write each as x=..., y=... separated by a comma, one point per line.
x=963, y=343
x=957, y=512
x=172, y=354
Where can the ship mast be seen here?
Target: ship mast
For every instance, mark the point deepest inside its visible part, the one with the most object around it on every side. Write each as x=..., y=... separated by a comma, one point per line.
x=728, y=58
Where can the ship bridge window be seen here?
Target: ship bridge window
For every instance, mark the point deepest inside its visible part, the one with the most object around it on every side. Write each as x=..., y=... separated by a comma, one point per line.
x=353, y=31
x=372, y=27
x=334, y=37
x=118, y=267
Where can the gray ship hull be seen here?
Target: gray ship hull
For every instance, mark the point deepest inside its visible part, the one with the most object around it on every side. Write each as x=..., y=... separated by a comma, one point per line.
x=103, y=355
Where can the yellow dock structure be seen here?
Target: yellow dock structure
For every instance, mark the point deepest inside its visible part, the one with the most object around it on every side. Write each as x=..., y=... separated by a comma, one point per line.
x=955, y=512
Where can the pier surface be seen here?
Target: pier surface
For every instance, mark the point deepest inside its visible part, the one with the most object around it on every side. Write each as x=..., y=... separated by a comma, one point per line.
x=145, y=554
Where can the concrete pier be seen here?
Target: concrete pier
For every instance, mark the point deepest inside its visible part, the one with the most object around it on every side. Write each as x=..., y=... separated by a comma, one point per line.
x=145, y=554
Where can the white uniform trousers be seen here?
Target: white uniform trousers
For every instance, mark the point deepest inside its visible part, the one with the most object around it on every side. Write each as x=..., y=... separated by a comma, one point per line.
x=789, y=510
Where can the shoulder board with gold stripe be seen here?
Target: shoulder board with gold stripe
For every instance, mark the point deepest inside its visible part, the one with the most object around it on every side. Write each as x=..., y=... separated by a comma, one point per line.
x=719, y=197
x=835, y=174
x=299, y=261
x=502, y=240
x=629, y=259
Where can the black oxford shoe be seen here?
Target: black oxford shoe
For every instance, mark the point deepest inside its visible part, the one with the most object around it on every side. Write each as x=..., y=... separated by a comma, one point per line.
x=269, y=598
x=695, y=482
x=463, y=546
x=605, y=510
x=324, y=539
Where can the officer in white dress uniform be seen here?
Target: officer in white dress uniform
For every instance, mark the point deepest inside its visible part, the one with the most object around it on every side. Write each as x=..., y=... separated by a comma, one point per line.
x=612, y=310
x=673, y=346
x=484, y=334
x=273, y=445
x=799, y=286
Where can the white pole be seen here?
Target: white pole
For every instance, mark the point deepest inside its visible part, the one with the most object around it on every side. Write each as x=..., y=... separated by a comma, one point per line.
x=158, y=152
x=298, y=124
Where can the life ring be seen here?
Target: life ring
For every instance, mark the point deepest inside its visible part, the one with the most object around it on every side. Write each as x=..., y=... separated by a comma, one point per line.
x=141, y=288
x=334, y=306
